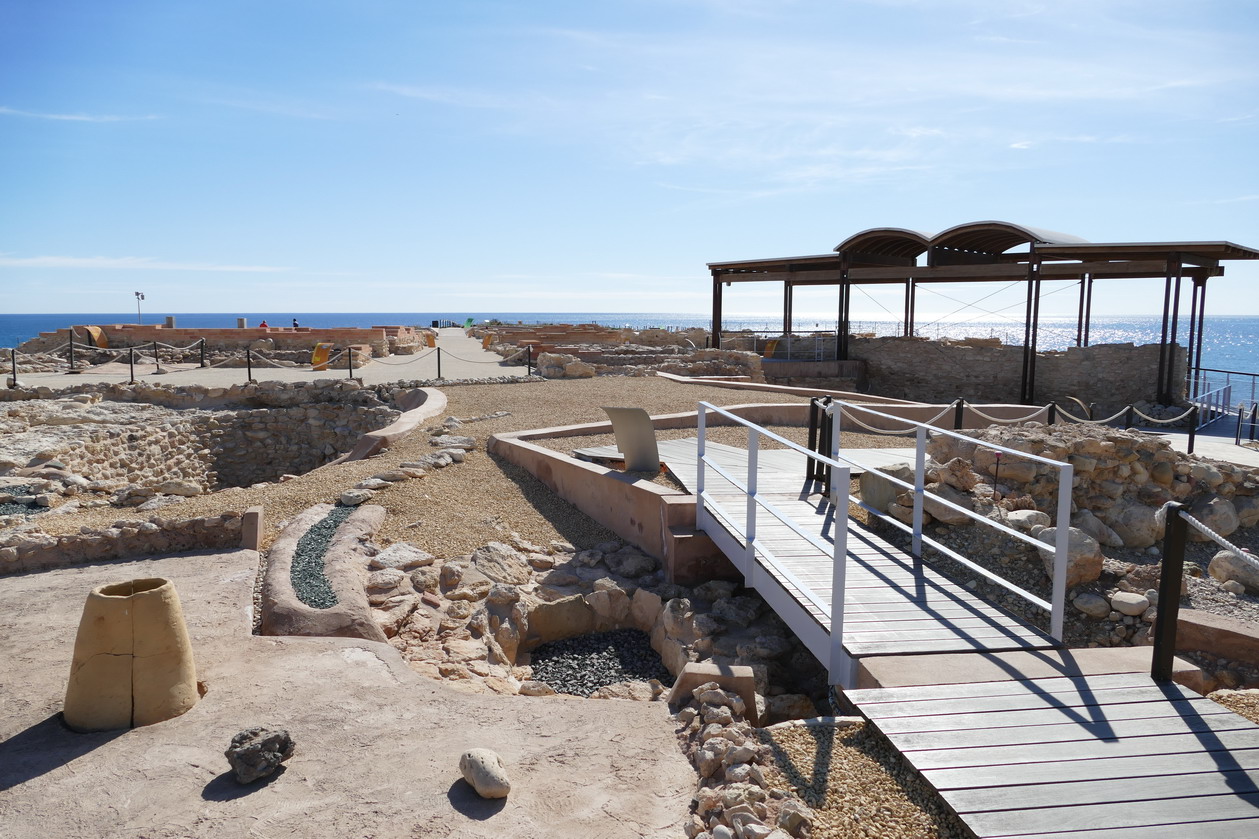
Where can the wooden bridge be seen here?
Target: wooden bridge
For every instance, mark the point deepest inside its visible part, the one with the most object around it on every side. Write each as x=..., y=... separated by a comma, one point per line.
x=1113, y=755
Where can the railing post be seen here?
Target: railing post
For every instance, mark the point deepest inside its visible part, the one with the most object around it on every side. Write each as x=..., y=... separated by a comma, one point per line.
x=72, y=370
x=749, y=557
x=1062, y=548
x=959, y=413
x=439, y=362
x=1254, y=419
x=1129, y=415
x=840, y=665
x=1193, y=426
x=1051, y=413
x=157, y=360
x=529, y=360
x=1169, y=592
x=349, y=360
x=1241, y=417
x=249, y=365
x=131, y=363
x=701, y=425
x=203, y=364
x=920, y=463
x=811, y=466
x=836, y=484
x=13, y=366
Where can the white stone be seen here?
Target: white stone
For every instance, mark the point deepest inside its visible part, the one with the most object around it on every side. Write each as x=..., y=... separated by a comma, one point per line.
x=402, y=555
x=1129, y=602
x=354, y=497
x=1093, y=605
x=483, y=769
x=1226, y=566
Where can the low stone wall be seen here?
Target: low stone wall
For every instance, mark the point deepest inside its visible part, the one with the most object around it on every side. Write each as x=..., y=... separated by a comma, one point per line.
x=1111, y=375
x=380, y=338
x=33, y=550
x=586, y=362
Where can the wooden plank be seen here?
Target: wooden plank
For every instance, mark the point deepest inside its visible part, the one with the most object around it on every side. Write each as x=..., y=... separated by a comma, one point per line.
x=1098, y=769
x=1107, y=817
x=1054, y=684
x=1085, y=793
x=1048, y=716
x=1247, y=828
x=891, y=634
x=1069, y=731
x=958, y=645
x=1066, y=697
x=1087, y=750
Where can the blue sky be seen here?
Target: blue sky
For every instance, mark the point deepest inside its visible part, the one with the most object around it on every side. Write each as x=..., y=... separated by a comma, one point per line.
x=373, y=155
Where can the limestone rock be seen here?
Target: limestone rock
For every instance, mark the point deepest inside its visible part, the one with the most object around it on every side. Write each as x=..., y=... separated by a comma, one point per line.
x=878, y=491
x=502, y=564
x=1225, y=565
x=403, y=556
x=354, y=497
x=1084, y=556
x=941, y=513
x=739, y=611
x=630, y=562
x=1025, y=520
x=1137, y=524
x=788, y=706
x=1093, y=605
x=1247, y=507
x=535, y=688
x=1095, y=527
x=1129, y=603
x=184, y=488
x=1217, y=513
x=484, y=771
x=453, y=441
x=257, y=752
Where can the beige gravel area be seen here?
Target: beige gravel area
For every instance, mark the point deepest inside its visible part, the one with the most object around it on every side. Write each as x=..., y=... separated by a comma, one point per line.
x=857, y=784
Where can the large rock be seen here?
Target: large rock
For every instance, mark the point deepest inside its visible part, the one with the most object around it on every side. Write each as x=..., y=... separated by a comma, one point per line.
x=1217, y=513
x=1138, y=525
x=880, y=493
x=1084, y=555
x=403, y=556
x=630, y=562
x=943, y=514
x=502, y=564
x=557, y=619
x=257, y=752
x=1098, y=529
x=484, y=771
x=1226, y=565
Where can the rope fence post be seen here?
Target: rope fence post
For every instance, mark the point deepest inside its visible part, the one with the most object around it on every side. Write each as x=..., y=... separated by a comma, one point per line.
x=959, y=413
x=529, y=360
x=349, y=360
x=1051, y=414
x=1241, y=417
x=131, y=363
x=1193, y=426
x=203, y=352
x=72, y=367
x=1129, y=417
x=1169, y=592
x=439, y=362
x=1254, y=418
x=13, y=367
x=249, y=365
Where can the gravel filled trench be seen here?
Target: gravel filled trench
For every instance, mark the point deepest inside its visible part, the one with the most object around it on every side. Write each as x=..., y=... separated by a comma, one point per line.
x=310, y=584
x=581, y=665
x=15, y=509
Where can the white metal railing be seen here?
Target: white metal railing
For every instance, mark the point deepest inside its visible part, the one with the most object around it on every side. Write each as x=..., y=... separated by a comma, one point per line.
x=1213, y=404
x=840, y=665
x=1056, y=606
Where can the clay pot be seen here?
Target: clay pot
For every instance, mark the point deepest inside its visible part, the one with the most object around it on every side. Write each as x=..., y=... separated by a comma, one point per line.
x=133, y=663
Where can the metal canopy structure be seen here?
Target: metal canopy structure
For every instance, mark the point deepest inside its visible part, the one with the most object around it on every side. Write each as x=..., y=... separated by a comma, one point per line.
x=998, y=251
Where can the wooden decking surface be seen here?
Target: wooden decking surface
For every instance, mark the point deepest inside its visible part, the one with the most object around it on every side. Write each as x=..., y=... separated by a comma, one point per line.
x=1089, y=756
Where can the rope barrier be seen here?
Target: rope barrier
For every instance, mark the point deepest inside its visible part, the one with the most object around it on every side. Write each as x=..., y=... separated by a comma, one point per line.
x=272, y=362
x=1166, y=421
x=873, y=430
x=471, y=360
x=1218, y=539
x=984, y=416
x=196, y=343
x=410, y=360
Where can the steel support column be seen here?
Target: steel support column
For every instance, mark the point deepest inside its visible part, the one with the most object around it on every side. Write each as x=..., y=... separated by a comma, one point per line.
x=1171, y=344
x=909, y=308
x=1162, y=395
x=1202, y=309
x=1027, y=384
x=716, y=325
x=1081, y=327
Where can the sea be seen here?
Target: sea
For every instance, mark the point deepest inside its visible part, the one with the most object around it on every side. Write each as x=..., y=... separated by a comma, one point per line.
x=1230, y=342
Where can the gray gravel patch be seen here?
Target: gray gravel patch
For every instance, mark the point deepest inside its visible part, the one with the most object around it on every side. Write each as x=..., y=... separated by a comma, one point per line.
x=310, y=583
x=581, y=665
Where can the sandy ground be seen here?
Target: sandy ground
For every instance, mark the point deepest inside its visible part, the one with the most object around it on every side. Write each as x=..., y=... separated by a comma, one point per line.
x=377, y=745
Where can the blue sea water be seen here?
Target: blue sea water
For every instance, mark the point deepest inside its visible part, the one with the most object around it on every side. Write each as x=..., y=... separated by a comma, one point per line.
x=1230, y=342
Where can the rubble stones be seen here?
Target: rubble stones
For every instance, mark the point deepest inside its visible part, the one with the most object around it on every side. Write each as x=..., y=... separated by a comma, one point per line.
x=257, y=752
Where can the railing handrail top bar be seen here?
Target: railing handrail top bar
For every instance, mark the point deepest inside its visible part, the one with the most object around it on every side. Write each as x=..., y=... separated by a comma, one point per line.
x=771, y=435
x=1231, y=372
x=950, y=433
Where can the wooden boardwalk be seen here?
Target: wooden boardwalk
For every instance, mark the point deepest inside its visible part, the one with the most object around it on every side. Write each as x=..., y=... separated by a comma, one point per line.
x=893, y=603
x=1090, y=756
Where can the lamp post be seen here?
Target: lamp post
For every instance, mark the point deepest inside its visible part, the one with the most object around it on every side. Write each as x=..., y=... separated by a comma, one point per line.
x=139, y=297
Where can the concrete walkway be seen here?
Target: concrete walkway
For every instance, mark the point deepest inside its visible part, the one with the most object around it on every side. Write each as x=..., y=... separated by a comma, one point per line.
x=1214, y=442
x=461, y=358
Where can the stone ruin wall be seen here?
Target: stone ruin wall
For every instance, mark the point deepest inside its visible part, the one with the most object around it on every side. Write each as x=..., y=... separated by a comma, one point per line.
x=301, y=427
x=383, y=340
x=630, y=360
x=1111, y=375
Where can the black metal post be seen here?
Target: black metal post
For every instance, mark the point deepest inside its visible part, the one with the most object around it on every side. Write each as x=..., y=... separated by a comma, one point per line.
x=959, y=413
x=1193, y=425
x=1051, y=413
x=13, y=366
x=72, y=370
x=249, y=364
x=1169, y=593
x=439, y=362
x=157, y=361
x=349, y=360
x=203, y=364
x=1129, y=415
x=131, y=363
x=529, y=359
x=810, y=470
x=1254, y=418
x=716, y=324
x=1241, y=417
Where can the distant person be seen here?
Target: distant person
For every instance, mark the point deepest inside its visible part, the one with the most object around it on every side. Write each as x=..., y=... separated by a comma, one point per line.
x=295, y=323
x=263, y=325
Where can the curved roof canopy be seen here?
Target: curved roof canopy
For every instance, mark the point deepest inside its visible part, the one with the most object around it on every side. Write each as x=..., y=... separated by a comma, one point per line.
x=986, y=237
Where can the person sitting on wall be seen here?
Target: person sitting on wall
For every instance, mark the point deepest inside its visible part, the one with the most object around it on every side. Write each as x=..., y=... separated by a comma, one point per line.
x=295, y=323
x=263, y=325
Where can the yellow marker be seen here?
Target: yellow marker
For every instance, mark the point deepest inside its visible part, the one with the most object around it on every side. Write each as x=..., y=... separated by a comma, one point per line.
x=319, y=356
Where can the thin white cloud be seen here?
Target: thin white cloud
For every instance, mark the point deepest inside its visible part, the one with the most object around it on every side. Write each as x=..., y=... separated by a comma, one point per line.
x=14, y=112
x=129, y=263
